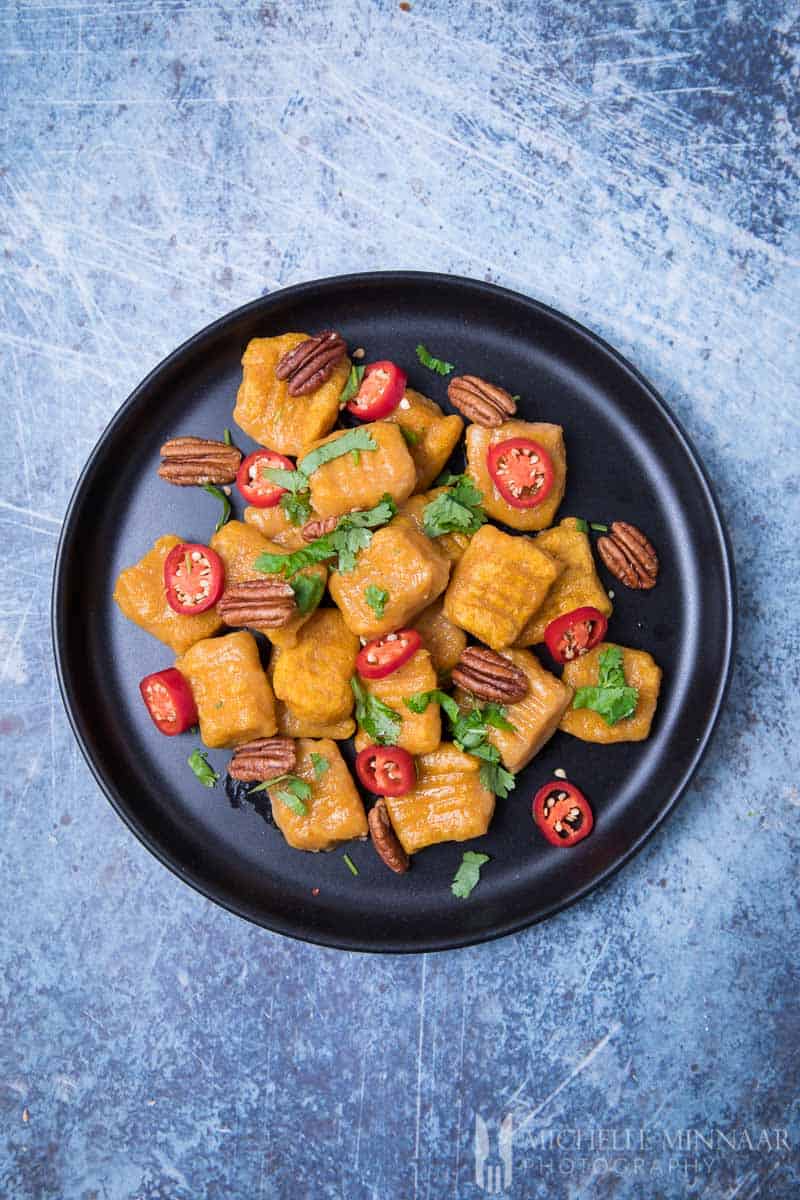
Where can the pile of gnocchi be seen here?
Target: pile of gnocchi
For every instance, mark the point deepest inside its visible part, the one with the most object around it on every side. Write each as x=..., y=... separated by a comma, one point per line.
x=368, y=593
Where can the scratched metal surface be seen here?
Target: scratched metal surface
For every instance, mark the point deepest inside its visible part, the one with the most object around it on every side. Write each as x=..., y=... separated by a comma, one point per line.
x=632, y=164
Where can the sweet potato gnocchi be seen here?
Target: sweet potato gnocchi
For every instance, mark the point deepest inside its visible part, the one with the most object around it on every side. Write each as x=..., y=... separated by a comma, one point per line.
x=394, y=606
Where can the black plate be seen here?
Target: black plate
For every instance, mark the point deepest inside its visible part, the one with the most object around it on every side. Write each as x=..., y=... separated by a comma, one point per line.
x=628, y=459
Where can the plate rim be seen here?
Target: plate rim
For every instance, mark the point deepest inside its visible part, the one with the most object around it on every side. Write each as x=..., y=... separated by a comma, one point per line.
x=296, y=292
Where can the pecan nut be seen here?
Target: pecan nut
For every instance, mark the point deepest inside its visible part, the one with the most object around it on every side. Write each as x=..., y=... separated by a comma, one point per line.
x=629, y=556
x=188, y=461
x=318, y=528
x=312, y=362
x=481, y=402
x=384, y=838
x=262, y=759
x=490, y=676
x=260, y=603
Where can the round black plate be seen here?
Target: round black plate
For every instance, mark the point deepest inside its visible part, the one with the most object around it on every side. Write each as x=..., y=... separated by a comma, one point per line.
x=628, y=459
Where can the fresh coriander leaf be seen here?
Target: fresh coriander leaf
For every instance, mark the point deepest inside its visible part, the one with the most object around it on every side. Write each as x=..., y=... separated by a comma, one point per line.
x=294, y=481
x=495, y=714
x=198, y=761
x=297, y=507
x=598, y=528
x=469, y=731
x=289, y=564
x=495, y=778
x=226, y=437
x=320, y=764
x=350, y=535
x=411, y=438
x=612, y=704
x=353, y=439
x=419, y=701
x=376, y=598
x=308, y=591
x=371, y=518
x=432, y=362
x=356, y=457
x=468, y=874
x=348, y=542
x=382, y=723
x=581, y=525
x=352, y=385
x=351, y=866
x=291, y=801
x=293, y=792
x=612, y=699
x=610, y=672
x=458, y=510
x=225, y=515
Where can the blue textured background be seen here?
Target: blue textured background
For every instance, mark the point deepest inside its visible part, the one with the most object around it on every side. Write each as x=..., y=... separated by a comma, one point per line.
x=634, y=164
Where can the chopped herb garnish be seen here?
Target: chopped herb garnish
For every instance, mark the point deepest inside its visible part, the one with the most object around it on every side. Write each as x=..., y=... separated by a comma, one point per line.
x=296, y=503
x=458, y=510
x=411, y=437
x=296, y=506
x=226, y=437
x=353, y=439
x=382, y=723
x=351, y=866
x=432, y=362
x=468, y=874
x=352, y=385
x=470, y=730
x=308, y=591
x=581, y=525
x=293, y=792
x=225, y=515
x=350, y=535
x=198, y=761
x=517, y=397
x=599, y=528
x=611, y=698
x=376, y=598
x=320, y=764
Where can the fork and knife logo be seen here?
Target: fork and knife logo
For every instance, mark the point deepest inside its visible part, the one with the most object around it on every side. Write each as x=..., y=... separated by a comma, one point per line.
x=493, y=1167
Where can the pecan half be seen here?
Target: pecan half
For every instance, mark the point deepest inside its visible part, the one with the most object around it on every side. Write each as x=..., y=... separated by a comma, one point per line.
x=384, y=838
x=312, y=362
x=260, y=603
x=629, y=556
x=262, y=759
x=318, y=528
x=188, y=461
x=490, y=676
x=484, y=403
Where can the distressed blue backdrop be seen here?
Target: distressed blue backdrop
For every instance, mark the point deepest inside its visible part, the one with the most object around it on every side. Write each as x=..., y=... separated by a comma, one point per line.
x=634, y=164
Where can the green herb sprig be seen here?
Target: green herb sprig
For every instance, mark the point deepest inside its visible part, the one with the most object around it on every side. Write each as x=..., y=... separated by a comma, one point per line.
x=432, y=362
x=291, y=790
x=611, y=698
x=320, y=764
x=376, y=598
x=458, y=510
x=225, y=515
x=296, y=503
x=352, y=534
x=308, y=590
x=469, y=729
x=198, y=761
x=383, y=724
x=468, y=874
x=352, y=385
